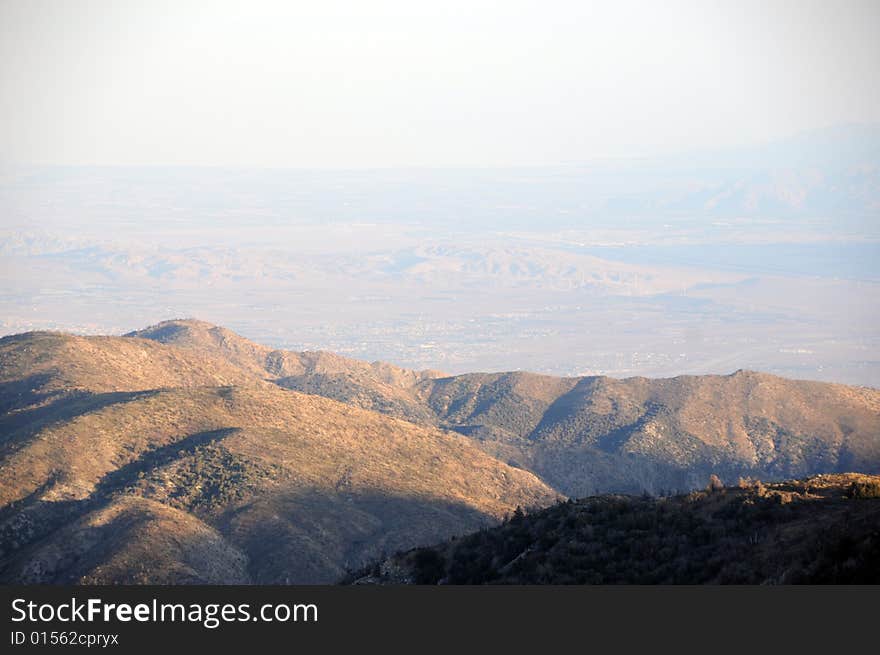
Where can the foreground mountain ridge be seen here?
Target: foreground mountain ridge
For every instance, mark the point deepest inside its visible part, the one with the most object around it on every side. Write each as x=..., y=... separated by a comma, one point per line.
x=820, y=530
x=186, y=453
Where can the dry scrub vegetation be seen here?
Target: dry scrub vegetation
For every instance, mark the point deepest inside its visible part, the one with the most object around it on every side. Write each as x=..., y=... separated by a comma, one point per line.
x=183, y=451
x=157, y=441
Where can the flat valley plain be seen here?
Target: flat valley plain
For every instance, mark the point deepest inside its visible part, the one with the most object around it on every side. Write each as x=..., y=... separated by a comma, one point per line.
x=765, y=258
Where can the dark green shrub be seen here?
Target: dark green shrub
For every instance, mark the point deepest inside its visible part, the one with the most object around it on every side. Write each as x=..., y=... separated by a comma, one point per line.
x=430, y=566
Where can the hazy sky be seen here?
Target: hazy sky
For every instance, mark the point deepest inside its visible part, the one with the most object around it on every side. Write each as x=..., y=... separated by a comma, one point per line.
x=401, y=83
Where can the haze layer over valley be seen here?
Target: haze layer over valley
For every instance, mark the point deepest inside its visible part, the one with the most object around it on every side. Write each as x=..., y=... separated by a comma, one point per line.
x=761, y=258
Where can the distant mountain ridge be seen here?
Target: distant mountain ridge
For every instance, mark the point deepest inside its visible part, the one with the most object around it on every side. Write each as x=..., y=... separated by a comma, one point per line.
x=813, y=173
x=108, y=445
x=201, y=336
x=590, y=434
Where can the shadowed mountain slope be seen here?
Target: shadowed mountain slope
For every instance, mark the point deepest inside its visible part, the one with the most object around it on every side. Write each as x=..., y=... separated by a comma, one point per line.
x=821, y=530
